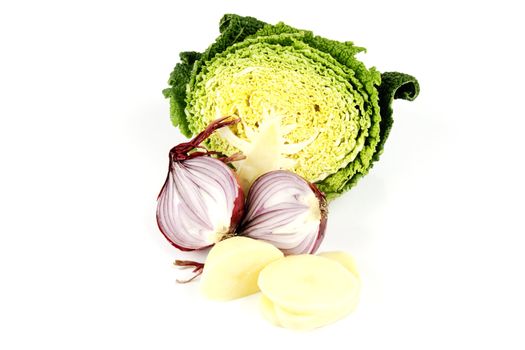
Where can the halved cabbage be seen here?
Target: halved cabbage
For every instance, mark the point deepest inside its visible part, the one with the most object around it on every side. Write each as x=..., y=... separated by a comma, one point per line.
x=306, y=104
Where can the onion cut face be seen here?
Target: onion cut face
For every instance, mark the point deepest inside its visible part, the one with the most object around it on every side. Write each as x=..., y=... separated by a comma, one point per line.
x=201, y=201
x=286, y=211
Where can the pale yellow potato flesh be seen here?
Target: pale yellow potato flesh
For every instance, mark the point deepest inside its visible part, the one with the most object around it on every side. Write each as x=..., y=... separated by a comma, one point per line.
x=287, y=319
x=232, y=267
x=307, y=283
x=322, y=292
x=308, y=322
x=343, y=258
x=268, y=310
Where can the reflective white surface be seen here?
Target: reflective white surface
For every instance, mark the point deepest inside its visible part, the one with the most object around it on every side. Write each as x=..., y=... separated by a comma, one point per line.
x=436, y=227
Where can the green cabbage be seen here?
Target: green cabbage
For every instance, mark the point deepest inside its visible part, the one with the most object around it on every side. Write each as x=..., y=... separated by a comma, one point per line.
x=306, y=103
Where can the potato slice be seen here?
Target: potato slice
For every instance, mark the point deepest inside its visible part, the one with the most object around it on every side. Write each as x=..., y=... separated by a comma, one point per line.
x=308, y=284
x=268, y=310
x=232, y=267
x=287, y=319
x=296, y=321
x=304, y=317
x=343, y=258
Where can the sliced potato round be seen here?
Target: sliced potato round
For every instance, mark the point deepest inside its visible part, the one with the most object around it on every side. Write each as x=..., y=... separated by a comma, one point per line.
x=232, y=267
x=343, y=258
x=296, y=321
x=268, y=310
x=308, y=284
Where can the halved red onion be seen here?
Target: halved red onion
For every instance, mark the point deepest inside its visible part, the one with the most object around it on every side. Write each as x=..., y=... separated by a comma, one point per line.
x=287, y=211
x=201, y=201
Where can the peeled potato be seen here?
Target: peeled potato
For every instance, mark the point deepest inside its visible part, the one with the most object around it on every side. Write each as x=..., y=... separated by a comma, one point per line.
x=307, y=291
x=343, y=258
x=232, y=267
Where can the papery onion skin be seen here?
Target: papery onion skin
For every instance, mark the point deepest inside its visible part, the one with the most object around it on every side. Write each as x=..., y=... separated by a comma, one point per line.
x=323, y=204
x=286, y=210
x=201, y=201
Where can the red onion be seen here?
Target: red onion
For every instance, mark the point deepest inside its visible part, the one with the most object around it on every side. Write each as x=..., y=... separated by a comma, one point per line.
x=201, y=201
x=287, y=211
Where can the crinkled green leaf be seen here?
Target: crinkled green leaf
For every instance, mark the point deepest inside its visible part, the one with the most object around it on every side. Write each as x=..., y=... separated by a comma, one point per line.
x=394, y=85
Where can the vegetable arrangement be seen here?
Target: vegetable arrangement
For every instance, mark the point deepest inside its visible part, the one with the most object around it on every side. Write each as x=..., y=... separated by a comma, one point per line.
x=304, y=121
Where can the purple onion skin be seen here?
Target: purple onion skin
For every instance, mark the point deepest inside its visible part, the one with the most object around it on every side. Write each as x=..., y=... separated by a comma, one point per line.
x=249, y=226
x=238, y=207
x=323, y=205
x=161, y=229
x=237, y=214
x=181, y=153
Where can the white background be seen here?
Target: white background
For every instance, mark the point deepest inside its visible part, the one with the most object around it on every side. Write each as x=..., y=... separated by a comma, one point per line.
x=436, y=227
